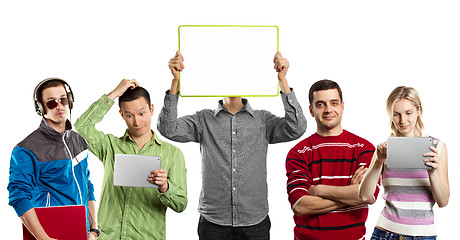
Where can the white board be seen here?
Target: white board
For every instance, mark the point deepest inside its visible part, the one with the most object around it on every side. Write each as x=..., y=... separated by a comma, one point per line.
x=224, y=60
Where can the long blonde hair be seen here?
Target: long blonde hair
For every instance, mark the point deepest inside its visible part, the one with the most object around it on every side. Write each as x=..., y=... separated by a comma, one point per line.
x=412, y=95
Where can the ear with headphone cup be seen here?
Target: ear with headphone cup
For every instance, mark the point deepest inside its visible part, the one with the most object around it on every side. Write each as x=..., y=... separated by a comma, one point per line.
x=69, y=93
x=39, y=109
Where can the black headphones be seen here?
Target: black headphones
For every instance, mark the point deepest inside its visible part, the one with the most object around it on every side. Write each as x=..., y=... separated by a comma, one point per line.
x=39, y=108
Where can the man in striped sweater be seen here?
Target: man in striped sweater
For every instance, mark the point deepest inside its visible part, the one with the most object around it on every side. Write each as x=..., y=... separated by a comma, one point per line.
x=324, y=172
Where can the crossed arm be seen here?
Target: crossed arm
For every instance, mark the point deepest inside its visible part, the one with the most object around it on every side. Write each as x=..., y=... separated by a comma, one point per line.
x=324, y=198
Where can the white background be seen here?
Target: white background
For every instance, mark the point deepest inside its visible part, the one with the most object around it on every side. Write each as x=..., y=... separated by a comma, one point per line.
x=368, y=47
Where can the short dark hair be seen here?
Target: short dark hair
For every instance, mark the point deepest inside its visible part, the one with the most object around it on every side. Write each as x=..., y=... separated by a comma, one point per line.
x=324, y=84
x=49, y=84
x=132, y=94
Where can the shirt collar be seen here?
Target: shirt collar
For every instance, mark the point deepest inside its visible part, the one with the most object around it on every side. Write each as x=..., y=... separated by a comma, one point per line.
x=51, y=132
x=246, y=107
x=154, y=139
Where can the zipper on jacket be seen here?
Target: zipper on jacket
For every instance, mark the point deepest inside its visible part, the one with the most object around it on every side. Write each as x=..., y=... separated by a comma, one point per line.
x=71, y=163
x=48, y=200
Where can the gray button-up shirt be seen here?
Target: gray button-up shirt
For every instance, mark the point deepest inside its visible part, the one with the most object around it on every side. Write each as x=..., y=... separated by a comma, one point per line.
x=234, y=154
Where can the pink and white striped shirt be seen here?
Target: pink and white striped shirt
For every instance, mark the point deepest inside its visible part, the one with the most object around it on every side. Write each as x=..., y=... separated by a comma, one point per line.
x=408, y=201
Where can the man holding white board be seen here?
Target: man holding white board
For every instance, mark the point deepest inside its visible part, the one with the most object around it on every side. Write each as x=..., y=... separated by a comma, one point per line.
x=134, y=212
x=233, y=141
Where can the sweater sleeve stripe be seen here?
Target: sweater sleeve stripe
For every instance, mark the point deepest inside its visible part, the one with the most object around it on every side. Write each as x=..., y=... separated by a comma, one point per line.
x=299, y=179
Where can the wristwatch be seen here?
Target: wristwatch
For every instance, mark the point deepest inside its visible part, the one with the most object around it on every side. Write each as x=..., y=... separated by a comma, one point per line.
x=97, y=231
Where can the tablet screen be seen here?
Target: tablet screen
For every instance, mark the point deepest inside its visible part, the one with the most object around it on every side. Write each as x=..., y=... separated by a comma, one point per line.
x=407, y=152
x=133, y=170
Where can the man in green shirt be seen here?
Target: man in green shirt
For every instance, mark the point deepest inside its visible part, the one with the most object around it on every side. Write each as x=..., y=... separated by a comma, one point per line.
x=127, y=212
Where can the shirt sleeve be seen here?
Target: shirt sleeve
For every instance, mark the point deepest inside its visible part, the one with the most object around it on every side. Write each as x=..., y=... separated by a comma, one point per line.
x=91, y=196
x=24, y=173
x=176, y=196
x=85, y=125
x=290, y=127
x=183, y=129
x=299, y=177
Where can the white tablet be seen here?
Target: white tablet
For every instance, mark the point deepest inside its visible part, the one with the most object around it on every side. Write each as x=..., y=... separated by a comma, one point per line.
x=133, y=170
x=407, y=152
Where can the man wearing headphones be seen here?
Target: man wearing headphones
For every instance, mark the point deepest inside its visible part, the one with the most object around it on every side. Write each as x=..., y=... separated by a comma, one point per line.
x=49, y=167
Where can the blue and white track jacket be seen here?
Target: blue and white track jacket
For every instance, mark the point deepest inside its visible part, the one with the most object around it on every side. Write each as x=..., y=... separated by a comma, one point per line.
x=49, y=168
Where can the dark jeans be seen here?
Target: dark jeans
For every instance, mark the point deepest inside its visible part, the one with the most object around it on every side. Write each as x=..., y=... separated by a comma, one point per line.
x=210, y=231
x=380, y=234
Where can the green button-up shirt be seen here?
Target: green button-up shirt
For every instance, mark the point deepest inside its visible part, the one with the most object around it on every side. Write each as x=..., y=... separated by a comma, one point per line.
x=130, y=212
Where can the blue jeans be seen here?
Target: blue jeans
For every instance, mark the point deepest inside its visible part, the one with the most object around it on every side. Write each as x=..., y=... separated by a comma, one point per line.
x=380, y=234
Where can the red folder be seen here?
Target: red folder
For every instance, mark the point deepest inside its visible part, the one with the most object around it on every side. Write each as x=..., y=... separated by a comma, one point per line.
x=62, y=223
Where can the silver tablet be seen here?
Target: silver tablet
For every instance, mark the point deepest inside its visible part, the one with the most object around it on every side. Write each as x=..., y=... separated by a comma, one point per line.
x=133, y=170
x=407, y=152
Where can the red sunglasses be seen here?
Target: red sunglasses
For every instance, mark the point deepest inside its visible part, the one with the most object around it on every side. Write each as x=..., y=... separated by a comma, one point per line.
x=53, y=103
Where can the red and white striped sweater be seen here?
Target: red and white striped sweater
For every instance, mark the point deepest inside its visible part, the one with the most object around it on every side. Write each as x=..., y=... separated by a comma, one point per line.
x=328, y=161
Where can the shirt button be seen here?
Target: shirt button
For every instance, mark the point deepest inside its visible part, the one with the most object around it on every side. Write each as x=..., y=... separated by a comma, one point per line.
x=233, y=150
x=234, y=189
x=233, y=133
x=234, y=170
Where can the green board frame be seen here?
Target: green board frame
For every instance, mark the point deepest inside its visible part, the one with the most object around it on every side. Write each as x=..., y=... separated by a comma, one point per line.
x=277, y=49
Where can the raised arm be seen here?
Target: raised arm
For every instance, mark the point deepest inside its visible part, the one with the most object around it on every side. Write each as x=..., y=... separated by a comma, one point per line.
x=294, y=123
x=176, y=65
x=282, y=66
x=372, y=176
x=86, y=123
x=122, y=87
x=183, y=129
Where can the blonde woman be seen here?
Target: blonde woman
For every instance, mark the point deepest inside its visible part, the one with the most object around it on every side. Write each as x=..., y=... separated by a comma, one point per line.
x=409, y=194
